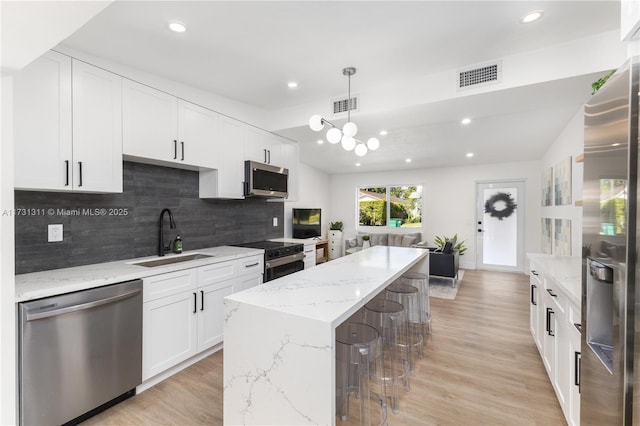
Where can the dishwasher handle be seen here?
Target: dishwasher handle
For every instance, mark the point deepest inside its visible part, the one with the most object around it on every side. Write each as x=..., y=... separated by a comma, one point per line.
x=82, y=306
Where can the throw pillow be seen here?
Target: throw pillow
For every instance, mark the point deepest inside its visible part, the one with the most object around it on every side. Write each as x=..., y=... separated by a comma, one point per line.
x=409, y=240
x=378, y=239
x=395, y=240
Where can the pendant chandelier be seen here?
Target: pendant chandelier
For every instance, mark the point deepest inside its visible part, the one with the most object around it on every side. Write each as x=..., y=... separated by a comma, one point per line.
x=346, y=135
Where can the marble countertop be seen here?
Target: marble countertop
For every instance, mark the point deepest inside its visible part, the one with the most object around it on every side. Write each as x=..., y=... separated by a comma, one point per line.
x=58, y=281
x=566, y=271
x=333, y=291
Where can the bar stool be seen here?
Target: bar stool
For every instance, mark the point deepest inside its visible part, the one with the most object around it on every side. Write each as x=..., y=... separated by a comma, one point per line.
x=421, y=282
x=358, y=346
x=388, y=317
x=409, y=297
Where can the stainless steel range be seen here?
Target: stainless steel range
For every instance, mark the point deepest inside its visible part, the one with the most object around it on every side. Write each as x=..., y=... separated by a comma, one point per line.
x=280, y=258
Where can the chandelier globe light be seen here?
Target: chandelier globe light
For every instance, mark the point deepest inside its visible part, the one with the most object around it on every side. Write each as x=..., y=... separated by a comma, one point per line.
x=347, y=134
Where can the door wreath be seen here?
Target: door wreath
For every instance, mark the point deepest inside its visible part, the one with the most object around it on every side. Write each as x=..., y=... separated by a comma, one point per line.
x=490, y=205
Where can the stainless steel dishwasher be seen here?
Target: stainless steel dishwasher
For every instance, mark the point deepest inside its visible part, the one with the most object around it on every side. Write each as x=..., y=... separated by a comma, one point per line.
x=79, y=353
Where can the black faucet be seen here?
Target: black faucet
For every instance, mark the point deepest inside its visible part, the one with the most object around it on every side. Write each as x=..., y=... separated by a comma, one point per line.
x=162, y=249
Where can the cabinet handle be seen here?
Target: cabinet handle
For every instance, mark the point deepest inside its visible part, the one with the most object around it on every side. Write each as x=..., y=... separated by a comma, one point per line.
x=201, y=300
x=175, y=149
x=265, y=155
x=195, y=303
x=550, y=291
x=577, y=360
x=80, y=165
x=534, y=273
x=549, y=313
x=182, y=148
x=66, y=165
x=252, y=265
x=533, y=287
x=269, y=154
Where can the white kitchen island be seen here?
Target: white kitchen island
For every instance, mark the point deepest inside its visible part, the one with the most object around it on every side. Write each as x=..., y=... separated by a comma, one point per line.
x=279, y=350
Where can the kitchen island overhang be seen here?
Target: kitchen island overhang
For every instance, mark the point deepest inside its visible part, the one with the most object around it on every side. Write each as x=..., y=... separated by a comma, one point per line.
x=279, y=338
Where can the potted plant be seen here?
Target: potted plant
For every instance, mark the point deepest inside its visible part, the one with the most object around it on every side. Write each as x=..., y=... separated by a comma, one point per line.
x=459, y=247
x=365, y=242
x=335, y=226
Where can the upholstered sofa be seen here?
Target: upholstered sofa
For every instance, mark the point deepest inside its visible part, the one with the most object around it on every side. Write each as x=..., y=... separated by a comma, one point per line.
x=383, y=239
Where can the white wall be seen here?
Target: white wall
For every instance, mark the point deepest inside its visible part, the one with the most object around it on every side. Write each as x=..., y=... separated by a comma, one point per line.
x=570, y=142
x=449, y=200
x=313, y=192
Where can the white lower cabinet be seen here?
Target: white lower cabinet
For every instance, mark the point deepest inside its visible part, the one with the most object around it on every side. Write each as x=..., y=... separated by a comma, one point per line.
x=310, y=255
x=169, y=324
x=552, y=317
x=183, y=311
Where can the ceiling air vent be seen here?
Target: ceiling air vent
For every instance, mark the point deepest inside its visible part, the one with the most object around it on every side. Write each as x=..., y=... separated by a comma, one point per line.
x=478, y=75
x=342, y=105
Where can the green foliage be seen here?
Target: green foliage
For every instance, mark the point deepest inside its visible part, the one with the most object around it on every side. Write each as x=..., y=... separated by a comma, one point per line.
x=365, y=238
x=336, y=226
x=613, y=211
x=398, y=211
x=460, y=247
x=596, y=85
x=373, y=213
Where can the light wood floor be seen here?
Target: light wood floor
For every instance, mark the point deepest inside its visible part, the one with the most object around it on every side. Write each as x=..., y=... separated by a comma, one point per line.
x=481, y=367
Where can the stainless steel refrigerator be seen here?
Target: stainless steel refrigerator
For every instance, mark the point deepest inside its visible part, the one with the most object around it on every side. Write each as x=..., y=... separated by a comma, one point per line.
x=610, y=319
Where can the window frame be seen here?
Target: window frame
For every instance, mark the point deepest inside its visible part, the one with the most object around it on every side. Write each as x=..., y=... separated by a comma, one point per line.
x=386, y=227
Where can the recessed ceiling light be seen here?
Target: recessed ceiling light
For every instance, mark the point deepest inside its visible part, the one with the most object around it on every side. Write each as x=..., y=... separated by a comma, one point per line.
x=320, y=141
x=383, y=133
x=469, y=154
x=532, y=16
x=466, y=121
x=357, y=164
x=292, y=85
x=408, y=160
x=177, y=27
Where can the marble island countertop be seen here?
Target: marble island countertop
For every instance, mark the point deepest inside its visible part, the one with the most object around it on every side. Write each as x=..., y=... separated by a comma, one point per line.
x=566, y=271
x=279, y=338
x=37, y=285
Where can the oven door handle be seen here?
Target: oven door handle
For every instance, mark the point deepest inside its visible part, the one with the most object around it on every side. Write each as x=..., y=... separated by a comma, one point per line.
x=284, y=260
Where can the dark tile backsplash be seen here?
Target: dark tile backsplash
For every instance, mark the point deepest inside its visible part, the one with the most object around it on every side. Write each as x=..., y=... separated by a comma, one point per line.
x=94, y=237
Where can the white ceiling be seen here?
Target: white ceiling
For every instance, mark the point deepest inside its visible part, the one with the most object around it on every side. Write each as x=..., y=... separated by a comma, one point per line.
x=248, y=51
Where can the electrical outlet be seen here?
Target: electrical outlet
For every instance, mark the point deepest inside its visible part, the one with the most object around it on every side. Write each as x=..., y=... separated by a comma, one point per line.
x=275, y=221
x=55, y=233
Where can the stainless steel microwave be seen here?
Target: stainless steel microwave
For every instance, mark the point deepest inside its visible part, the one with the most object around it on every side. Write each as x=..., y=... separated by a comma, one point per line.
x=265, y=180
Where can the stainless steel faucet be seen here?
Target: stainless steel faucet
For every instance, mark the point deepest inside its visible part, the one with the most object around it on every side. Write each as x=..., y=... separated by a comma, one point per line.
x=162, y=249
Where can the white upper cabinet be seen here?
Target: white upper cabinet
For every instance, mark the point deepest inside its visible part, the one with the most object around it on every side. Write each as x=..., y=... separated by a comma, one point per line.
x=291, y=161
x=160, y=128
x=263, y=147
x=197, y=135
x=227, y=180
x=629, y=20
x=67, y=126
x=97, y=129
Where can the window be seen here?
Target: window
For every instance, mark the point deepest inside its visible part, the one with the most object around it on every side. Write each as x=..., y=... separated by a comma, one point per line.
x=390, y=206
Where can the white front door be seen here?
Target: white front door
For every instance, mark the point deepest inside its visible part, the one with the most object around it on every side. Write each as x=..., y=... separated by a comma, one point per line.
x=500, y=225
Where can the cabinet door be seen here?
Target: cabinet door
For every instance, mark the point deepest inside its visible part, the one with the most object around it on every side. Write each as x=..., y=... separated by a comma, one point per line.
x=247, y=282
x=211, y=313
x=97, y=129
x=290, y=160
x=150, y=123
x=563, y=373
x=309, y=256
x=574, y=384
x=42, y=124
x=198, y=135
x=535, y=287
x=230, y=175
x=255, y=145
x=273, y=146
x=169, y=332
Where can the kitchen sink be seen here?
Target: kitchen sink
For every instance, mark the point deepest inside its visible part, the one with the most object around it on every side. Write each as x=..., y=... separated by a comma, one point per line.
x=171, y=260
